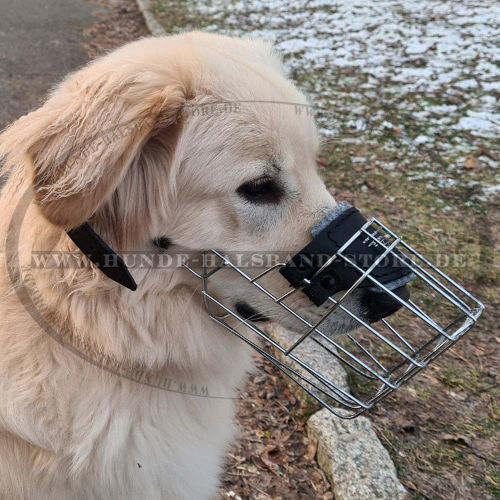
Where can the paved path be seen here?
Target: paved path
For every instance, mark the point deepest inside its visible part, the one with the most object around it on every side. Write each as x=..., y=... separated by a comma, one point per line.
x=40, y=41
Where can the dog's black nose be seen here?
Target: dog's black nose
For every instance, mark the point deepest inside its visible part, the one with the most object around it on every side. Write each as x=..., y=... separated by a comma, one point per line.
x=379, y=305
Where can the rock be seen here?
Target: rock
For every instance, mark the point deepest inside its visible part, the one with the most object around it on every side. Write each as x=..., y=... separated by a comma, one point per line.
x=349, y=451
x=153, y=25
x=354, y=460
x=315, y=356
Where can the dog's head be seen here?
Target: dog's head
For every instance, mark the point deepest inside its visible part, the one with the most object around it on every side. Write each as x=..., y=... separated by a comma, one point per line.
x=197, y=138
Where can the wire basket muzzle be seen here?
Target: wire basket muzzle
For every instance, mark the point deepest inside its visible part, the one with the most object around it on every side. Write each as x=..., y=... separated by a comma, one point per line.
x=377, y=357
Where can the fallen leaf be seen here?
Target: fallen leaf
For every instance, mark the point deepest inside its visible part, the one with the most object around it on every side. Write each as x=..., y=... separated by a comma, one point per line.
x=483, y=445
x=405, y=424
x=456, y=438
x=288, y=394
x=312, y=446
x=471, y=162
x=272, y=466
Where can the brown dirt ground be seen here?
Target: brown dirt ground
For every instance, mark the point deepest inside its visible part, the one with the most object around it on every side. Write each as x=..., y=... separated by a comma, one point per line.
x=273, y=458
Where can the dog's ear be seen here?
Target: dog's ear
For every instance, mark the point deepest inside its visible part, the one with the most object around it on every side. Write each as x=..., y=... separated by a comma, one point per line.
x=83, y=140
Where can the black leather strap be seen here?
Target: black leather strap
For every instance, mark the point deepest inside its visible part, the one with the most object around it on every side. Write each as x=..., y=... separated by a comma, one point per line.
x=102, y=255
x=340, y=275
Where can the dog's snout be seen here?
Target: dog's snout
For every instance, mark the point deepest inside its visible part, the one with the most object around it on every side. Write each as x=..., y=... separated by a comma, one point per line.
x=379, y=305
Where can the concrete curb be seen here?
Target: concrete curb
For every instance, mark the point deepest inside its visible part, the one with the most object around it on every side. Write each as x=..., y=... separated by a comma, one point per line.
x=354, y=460
x=153, y=25
x=349, y=452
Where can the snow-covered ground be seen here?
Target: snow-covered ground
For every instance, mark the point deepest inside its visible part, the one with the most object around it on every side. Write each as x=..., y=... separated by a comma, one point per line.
x=428, y=71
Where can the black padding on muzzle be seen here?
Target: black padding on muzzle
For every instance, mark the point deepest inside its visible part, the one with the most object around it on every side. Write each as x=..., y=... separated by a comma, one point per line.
x=340, y=275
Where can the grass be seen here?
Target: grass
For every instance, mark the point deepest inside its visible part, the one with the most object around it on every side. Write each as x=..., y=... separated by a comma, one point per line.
x=492, y=479
x=471, y=379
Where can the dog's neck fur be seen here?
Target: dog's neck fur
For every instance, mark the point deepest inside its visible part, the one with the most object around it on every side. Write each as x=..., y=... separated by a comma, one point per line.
x=110, y=324
x=128, y=332
x=63, y=417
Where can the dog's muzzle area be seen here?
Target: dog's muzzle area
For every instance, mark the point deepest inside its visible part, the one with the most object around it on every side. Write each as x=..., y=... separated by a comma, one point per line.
x=373, y=306
x=345, y=297
x=320, y=274
x=380, y=305
x=356, y=295
x=247, y=312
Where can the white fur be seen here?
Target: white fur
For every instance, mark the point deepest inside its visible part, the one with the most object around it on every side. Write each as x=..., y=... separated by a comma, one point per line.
x=72, y=430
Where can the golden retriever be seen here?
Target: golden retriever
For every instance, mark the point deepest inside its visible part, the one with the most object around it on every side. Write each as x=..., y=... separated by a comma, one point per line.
x=120, y=144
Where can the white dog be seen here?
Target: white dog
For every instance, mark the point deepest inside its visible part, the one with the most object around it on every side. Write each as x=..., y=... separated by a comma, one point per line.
x=117, y=145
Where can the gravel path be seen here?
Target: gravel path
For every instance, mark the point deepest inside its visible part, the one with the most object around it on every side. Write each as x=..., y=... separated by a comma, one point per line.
x=40, y=41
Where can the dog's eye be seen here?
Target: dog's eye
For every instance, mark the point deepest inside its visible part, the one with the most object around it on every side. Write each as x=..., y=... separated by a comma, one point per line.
x=261, y=191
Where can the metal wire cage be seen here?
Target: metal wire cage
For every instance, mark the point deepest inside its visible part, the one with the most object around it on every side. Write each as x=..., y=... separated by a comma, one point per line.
x=378, y=358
